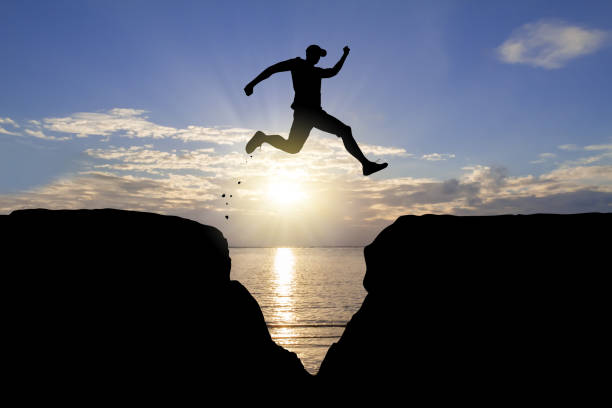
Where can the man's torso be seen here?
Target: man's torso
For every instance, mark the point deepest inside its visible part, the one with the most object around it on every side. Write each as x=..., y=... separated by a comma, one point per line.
x=306, y=84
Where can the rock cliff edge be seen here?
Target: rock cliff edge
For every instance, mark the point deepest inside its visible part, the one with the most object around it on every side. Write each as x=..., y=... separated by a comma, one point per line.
x=128, y=306
x=489, y=309
x=111, y=305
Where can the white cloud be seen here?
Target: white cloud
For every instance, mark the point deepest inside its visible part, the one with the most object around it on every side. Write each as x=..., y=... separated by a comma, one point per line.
x=484, y=190
x=6, y=132
x=384, y=151
x=544, y=157
x=437, y=156
x=148, y=160
x=132, y=123
x=604, y=153
x=568, y=147
x=599, y=147
x=8, y=121
x=550, y=44
x=354, y=206
x=344, y=207
x=100, y=189
x=39, y=134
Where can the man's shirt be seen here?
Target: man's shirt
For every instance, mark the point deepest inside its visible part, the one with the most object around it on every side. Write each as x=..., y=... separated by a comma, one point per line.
x=306, y=82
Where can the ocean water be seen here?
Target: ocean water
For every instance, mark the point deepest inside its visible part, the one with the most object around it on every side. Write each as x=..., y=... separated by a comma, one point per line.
x=307, y=295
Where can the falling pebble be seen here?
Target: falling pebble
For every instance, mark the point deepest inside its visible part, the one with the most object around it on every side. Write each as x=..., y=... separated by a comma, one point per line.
x=251, y=156
x=239, y=182
x=223, y=195
x=226, y=203
x=227, y=217
x=230, y=196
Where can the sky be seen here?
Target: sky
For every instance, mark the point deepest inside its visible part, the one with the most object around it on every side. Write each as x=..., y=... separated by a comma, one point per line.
x=479, y=107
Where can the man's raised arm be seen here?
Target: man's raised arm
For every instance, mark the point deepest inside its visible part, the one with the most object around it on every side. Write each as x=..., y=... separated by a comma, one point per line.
x=330, y=72
x=279, y=67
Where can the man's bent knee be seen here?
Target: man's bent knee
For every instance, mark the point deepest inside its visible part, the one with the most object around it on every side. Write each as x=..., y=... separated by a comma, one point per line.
x=345, y=132
x=294, y=148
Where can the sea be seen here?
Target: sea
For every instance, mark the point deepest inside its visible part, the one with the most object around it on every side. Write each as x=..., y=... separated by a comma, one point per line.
x=307, y=295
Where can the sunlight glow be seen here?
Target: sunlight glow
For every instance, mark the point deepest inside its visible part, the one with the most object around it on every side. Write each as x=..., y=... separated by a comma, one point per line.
x=282, y=193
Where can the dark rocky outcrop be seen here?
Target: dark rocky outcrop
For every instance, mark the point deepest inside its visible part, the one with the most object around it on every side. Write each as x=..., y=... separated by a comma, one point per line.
x=480, y=310
x=117, y=306
x=122, y=306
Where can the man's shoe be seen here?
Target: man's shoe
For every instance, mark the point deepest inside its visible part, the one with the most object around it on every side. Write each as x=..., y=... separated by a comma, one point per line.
x=255, y=141
x=373, y=168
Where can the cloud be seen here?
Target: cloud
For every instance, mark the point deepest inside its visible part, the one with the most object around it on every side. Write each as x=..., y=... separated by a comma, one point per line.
x=598, y=176
x=484, y=190
x=343, y=207
x=437, y=156
x=604, y=153
x=346, y=202
x=384, y=151
x=133, y=123
x=8, y=121
x=145, y=159
x=599, y=147
x=543, y=158
x=39, y=134
x=550, y=44
x=104, y=190
x=320, y=157
x=568, y=147
x=6, y=132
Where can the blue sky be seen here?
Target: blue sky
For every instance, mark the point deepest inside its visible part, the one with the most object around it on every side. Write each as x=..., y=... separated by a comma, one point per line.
x=515, y=92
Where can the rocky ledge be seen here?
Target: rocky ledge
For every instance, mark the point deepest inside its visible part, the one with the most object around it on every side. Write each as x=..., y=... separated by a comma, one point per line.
x=481, y=310
x=110, y=305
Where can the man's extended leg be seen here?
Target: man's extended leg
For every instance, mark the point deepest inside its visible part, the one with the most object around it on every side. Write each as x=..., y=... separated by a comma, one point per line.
x=300, y=129
x=352, y=147
x=330, y=124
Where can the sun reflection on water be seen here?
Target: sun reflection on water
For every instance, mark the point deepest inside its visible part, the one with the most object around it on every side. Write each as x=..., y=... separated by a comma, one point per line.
x=284, y=263
x=284, y=274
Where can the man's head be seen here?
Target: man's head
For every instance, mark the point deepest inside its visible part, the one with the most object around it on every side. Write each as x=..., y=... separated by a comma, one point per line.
x=314, y=53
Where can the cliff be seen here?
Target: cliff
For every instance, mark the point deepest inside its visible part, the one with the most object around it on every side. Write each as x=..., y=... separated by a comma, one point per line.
x=110, y=305
x=119, y=306
x=480, y=310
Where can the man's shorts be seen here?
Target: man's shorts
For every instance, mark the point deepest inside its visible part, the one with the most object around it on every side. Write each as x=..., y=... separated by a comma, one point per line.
x=306, y=119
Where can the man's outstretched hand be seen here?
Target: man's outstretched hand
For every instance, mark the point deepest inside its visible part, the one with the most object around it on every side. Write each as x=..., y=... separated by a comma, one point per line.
x=248, y=90
x=346, y=50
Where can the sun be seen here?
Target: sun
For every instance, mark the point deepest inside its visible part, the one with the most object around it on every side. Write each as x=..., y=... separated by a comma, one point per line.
x=283, y=193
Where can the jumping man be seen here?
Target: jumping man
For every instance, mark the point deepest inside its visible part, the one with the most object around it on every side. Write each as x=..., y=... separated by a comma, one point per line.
x=307, y=108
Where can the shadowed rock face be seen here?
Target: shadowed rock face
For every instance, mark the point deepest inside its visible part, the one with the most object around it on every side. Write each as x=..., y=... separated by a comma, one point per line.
x=481, y=309
x=110, y=305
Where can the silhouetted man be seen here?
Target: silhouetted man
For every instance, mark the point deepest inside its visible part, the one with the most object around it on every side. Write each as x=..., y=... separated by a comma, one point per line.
x=307, y=107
